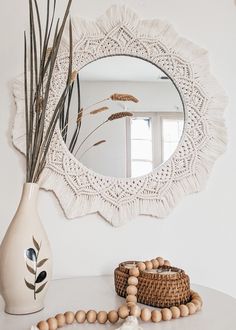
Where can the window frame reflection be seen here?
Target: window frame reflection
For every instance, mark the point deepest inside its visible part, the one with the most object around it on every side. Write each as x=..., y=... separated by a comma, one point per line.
x=157, y=137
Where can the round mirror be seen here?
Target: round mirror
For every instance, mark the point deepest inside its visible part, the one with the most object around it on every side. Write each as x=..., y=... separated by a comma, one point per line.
x=123, y=117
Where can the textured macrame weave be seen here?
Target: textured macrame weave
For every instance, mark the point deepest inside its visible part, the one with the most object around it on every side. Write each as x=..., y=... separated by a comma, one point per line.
x=82, y=191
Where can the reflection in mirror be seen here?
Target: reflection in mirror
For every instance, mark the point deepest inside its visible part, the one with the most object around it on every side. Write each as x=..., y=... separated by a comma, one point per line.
x=123, y=117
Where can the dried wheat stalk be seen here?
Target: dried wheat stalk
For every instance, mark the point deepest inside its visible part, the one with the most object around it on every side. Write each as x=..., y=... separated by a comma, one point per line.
x=119, y=115
x=74, y=76
x=99, y=142
x=81, y=113
x=94, y=112
x=116, y=97
x=115, y=116
x=94, y=145
x=124, y=97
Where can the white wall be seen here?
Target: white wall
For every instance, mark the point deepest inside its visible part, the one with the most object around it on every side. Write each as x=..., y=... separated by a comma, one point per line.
x=199, y=235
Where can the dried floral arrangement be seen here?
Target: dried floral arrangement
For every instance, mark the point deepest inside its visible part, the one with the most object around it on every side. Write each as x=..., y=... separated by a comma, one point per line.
x=74, y=143
x=39, y=64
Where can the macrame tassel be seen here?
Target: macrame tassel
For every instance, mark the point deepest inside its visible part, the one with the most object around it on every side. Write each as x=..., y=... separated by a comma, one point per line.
x=131, y=323
x=34, y=327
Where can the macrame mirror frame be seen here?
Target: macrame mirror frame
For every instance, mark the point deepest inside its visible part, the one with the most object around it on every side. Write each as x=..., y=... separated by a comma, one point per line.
x=81, y=191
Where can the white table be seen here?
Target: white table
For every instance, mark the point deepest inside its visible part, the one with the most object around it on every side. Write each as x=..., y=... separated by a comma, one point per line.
x=219, y=310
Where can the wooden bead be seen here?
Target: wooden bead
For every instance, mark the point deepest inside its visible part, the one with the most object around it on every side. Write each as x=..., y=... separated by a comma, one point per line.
x=132, y=280
x=156, y=316
x=175, y=312
x=141, y=266
x=91, y=316
x=80, y=316
x=123, y=312
x=167, y=263
x=135, y=311
x=134, y=272
x=52, y=323
x=70, y=317
x=155, y=263
x=102, y=317
x=130, y=304
x=195, y=295
x=61, y=320
x=192, y=308
x=43, y=325
x=183, y=310
x=197, y=303
x=113, y=316
x=149, y=265
x=160, y=260
x=131, y=298
x=131, y=289
x=198, y=298
x=146, y=314
x=166, y=314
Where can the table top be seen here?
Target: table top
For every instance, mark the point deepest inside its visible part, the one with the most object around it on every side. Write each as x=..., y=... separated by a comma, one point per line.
x=98, y=293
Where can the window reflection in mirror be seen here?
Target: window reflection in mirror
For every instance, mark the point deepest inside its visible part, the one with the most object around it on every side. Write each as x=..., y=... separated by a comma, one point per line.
x=123, y=117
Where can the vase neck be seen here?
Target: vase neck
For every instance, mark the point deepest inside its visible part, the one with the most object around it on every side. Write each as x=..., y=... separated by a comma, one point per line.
x=29, y=194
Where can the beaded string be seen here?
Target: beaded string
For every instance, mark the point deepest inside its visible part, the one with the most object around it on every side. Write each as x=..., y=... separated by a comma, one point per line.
x=130, y=308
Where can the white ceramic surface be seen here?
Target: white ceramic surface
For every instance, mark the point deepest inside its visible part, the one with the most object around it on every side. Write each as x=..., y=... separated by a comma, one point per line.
x=25, y=258
x=98, y=293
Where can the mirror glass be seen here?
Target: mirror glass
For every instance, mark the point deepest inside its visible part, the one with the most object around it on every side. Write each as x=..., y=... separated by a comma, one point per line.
x=123, y=117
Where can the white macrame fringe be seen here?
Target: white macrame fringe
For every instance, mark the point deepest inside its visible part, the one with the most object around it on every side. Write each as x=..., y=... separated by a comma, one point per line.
x=130, y=323
x=33, y=327
x=159, y=204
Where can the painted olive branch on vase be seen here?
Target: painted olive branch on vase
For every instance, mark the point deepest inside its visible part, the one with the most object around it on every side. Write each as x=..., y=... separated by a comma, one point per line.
x=33, y=255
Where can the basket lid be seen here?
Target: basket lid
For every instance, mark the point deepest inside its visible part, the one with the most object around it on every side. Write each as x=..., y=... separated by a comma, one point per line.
x=161, y=273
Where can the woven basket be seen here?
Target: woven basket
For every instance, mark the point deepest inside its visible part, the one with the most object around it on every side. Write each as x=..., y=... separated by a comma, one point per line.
x=154, y=289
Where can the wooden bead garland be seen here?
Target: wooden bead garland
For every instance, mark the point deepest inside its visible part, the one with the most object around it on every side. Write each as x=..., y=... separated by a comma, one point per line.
x=91, y=316
x=132, y=290
x=61, y=320
x=175, y=312
x=130, y=308
x=166, y=314
x=135, y=311
x=113, y=316
x=43, y=325
x=148, y=265
x=123, y=312
x=156, y=316
x=146, y=314
x=80, y=316
x=132, y=280
x=102, y=317
x=70, y=317
x=183, y=310
x=52, y=323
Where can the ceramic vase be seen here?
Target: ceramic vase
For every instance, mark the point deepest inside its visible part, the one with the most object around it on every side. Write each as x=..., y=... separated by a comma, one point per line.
x=25, y=258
